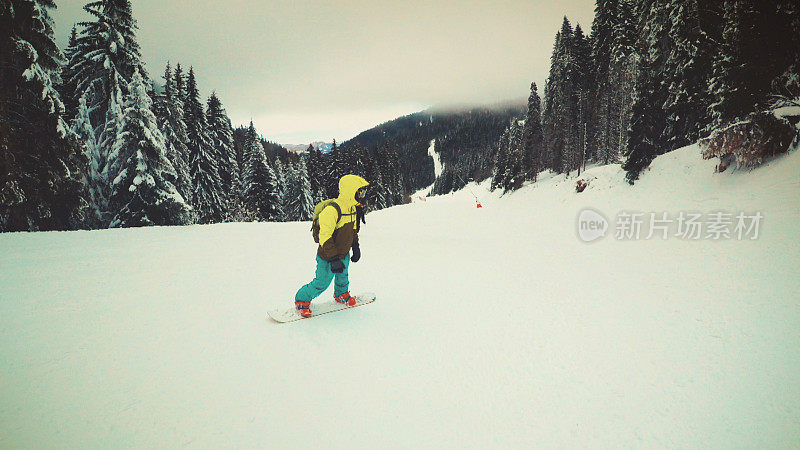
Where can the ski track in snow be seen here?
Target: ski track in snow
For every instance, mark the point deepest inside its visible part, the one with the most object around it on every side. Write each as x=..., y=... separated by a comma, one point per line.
x=493, y=327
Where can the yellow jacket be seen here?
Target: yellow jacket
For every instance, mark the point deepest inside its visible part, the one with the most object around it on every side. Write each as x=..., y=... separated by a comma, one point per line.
x=336, y=238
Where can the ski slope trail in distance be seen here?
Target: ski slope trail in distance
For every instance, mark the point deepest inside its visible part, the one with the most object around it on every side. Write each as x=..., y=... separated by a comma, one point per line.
x=437, y=171
x=437, y=160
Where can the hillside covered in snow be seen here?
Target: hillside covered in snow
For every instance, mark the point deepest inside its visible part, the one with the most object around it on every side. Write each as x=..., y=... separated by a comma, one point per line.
x=493, y=327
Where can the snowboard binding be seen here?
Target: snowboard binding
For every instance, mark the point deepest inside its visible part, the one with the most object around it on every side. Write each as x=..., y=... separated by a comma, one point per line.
x=346, y=299
x=304, y=308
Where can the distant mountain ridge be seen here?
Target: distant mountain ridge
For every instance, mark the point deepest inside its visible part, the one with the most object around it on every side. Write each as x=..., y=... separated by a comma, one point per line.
x=324, y=147
x=465, y=139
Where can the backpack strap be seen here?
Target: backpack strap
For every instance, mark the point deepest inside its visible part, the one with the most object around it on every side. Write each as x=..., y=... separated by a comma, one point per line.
x=338, y=210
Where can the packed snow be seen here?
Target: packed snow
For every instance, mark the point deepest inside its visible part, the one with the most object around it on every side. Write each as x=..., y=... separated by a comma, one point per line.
x=493, y=327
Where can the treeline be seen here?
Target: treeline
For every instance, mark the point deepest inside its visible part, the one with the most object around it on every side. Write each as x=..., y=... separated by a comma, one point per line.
x=651, y=77
x=378, y=165
x=464, y=139
x=89, y=140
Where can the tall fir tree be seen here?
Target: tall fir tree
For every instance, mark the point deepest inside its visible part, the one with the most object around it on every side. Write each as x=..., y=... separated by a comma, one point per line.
x=168, y=108
x=604, y=27
x=560, y=106
x=581, y=77
x=380, y=174
x=512, y=162
x=106, y=53
x=203, y=168
x=66, y=86
x=317, y=174
x=289, y=191
x=104, y=58
x=221, y=133
x=335, y=168
x=567, y=113
x=41, y=165
x=550, y=111
x=356, y=160
x=500, y=160
x=143, y=191
x=107, y=150
x=533, y=136
x=180, y=86
x=687, y=69
x=622, y=75
x=514, y=174
x=281, y=182
x=759, y=46
x=300, y=206
x=646, y=134
x=81, y=128
x=394, y=175
x=259, y=182
x=382, y=170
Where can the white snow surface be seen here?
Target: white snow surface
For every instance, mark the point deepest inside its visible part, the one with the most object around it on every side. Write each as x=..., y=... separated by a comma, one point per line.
x=493, y=327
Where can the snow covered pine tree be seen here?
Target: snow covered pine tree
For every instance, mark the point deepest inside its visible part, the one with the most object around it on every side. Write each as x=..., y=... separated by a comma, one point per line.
x=143, y=191
x=41, y=165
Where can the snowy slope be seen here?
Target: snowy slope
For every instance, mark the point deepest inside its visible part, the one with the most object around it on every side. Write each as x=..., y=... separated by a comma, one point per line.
x=493, y=327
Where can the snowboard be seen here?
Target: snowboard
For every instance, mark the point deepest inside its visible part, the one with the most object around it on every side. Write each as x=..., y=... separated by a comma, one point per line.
x=318, y=309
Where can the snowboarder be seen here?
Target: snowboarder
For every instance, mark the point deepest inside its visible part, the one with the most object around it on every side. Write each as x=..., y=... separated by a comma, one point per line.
x=336, y=231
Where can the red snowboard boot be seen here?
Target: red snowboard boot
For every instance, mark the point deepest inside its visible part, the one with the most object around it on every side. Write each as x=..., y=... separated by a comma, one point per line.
x=346, y=299
x=304, y=308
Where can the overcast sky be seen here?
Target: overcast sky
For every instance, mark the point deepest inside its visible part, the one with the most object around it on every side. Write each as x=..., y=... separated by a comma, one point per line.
x=319, y=70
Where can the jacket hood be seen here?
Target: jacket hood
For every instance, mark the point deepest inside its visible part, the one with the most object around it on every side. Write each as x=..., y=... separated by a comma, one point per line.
x=348, y=185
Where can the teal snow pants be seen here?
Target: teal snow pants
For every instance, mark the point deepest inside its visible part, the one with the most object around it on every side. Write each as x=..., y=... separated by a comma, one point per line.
x=323, y=279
